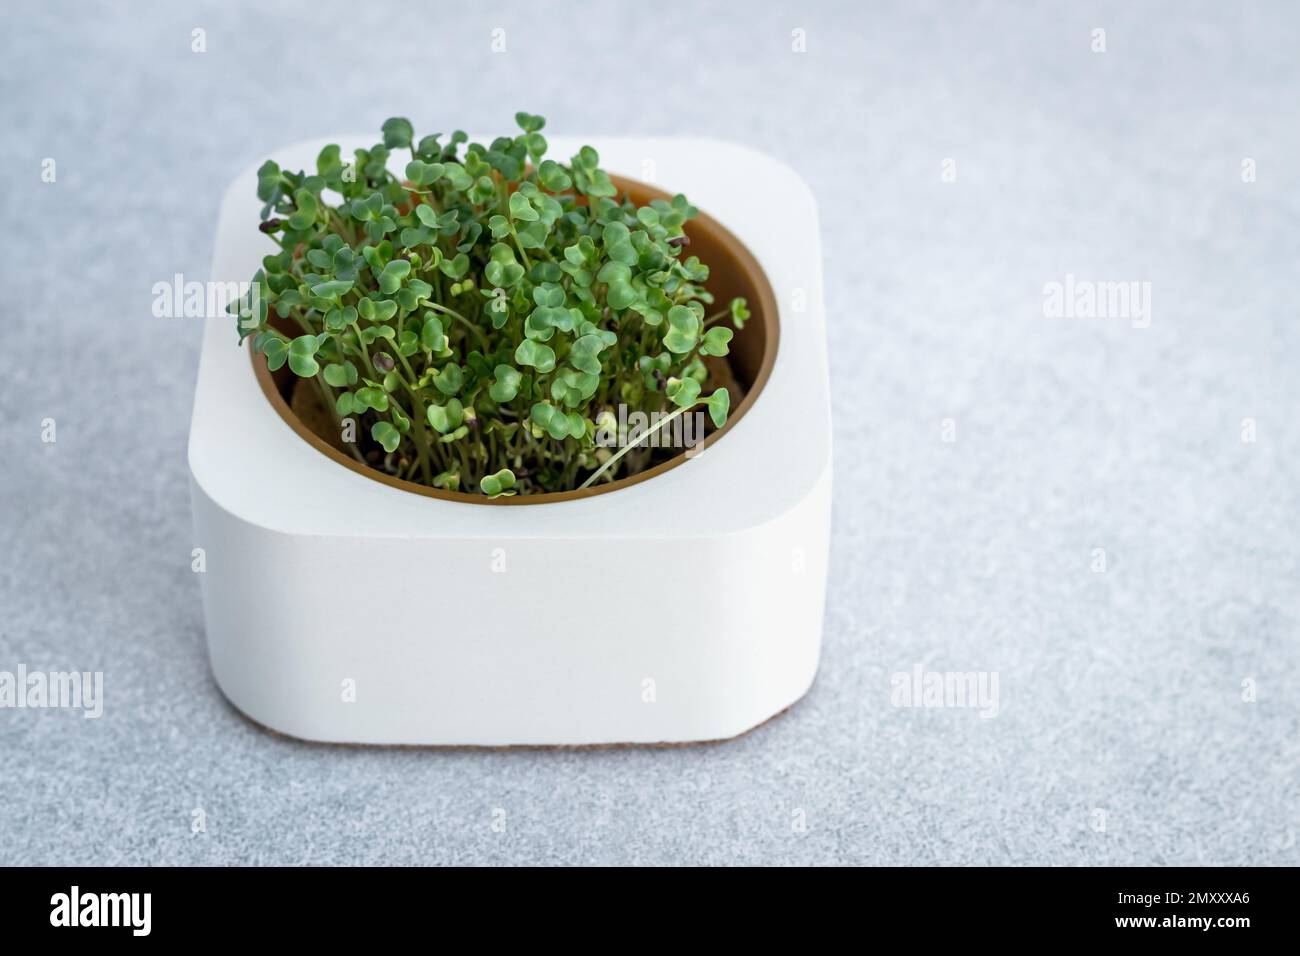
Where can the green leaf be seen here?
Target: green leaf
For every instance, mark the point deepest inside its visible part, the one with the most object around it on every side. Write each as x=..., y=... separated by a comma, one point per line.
x=623, y=252
x=432, y=336
x=651, y=316
x=615, y=233
x=307, y=209
x=341, y=375
x=397, y=133
x=332, y=289
x=529, y=123
x=536, y=145
x=328, y=161
x=377, y=310
x=549, y=294
x=498, y=485
x=683, y=330
x=446, y=418
x=715, y=341
x=612, y=272
x=535, y=355
x=370, y=397
x=620, y=296
x=719, y=404
x=584, y=353
x=424, y=174
x=305, y=345
x=368, y=209
x=450, y=480
x=457, y=177
x=533, y=235
x=303, y=366
x=553, y=176
x=556, y=423
x=449, y=380
x=455, y=268
x=683, y=392
x=276, y=352
x=390, y=280
x=418, y=289
x=505, y=385
x=571, y=387
x=739, y=312
x=426, y=214
x=386, y=434
x=520, y=208
x=268, y=181
x=503, y=275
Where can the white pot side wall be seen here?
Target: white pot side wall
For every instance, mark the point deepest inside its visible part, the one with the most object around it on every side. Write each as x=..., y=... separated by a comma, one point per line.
x=684, y=608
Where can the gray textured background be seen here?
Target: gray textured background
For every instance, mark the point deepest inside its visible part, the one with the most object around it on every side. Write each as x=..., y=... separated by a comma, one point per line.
x=1120, y=691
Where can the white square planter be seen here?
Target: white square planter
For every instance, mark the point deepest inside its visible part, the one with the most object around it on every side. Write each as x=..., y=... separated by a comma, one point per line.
x=466, y=645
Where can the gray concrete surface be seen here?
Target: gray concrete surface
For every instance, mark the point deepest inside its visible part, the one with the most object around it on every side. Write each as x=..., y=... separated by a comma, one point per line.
x=1147, y=714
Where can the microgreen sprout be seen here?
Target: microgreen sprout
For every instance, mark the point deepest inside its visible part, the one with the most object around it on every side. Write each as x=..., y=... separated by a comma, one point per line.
x=477, y=315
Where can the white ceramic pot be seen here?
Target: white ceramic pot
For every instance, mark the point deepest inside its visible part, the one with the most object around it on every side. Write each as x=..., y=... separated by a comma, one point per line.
x=685, y=607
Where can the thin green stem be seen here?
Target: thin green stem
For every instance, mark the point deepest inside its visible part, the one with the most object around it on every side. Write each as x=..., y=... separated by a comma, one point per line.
x=365, y=352
x=504, y=194
x=715, y=316
x=627, y=448
x=478, y=333
x=327, y=396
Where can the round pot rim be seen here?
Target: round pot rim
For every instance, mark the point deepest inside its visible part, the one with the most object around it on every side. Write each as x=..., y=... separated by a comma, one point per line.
x=763, y=310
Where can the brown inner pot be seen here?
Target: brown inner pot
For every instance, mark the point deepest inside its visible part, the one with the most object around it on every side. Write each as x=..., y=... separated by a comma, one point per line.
x=733, y=271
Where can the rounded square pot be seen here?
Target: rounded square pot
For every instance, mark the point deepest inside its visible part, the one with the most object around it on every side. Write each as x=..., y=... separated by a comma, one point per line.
x=684, y=606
